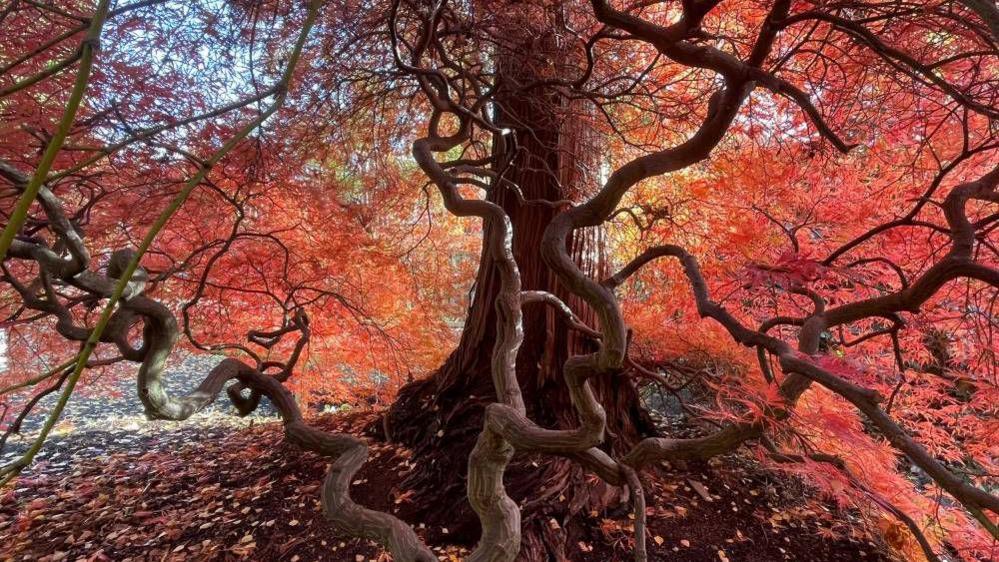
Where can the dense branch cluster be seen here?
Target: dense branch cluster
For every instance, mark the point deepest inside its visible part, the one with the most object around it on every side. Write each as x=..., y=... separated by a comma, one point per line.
x=458, y=92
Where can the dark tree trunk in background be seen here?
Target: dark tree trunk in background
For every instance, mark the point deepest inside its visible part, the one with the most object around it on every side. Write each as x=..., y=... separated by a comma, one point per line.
x=439, y=417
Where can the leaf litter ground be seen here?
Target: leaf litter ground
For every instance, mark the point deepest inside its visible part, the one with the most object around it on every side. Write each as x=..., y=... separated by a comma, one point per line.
x=221, y=488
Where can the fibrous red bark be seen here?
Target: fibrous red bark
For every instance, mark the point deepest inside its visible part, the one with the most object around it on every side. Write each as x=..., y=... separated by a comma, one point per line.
x=441, y=415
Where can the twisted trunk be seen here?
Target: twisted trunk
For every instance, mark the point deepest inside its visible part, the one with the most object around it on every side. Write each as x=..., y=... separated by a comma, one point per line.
x=440, y=417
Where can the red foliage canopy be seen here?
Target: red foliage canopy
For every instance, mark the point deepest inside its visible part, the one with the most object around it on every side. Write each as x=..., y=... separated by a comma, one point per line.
x=825, y=173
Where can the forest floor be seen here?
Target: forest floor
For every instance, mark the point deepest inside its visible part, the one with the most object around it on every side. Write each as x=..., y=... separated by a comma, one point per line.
x=223, y=488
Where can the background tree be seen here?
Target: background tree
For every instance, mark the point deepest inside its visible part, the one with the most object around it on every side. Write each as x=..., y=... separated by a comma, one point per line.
x=553, y=158
x=823, y=173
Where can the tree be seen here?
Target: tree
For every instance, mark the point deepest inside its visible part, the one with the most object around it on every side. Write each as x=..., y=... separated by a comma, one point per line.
x=553, y=157
x=719, y=125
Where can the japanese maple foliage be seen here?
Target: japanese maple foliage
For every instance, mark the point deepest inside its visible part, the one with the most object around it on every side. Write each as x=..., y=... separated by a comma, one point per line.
x=764, y=225
x=278, y=225
x=799, y=199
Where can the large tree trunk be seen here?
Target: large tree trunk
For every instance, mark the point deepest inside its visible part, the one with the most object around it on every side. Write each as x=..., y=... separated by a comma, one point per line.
x=440, y=416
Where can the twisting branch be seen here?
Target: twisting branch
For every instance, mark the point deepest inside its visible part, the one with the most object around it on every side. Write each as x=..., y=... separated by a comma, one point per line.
x=448, y=91
x=956, y=264
x=123, y=284
x=89, y=45
x=563, y=309
x=124, y=276
x=506, y=427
